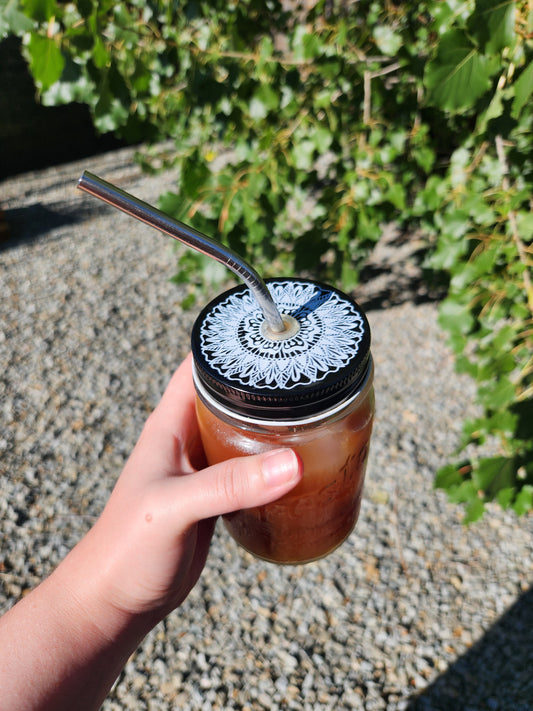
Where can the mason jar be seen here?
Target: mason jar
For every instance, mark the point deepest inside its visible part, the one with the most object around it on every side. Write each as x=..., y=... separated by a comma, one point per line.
x=310, y=389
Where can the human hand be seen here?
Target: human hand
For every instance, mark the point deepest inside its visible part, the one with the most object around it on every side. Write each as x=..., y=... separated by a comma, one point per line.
x=63, y=645
x=148, y=548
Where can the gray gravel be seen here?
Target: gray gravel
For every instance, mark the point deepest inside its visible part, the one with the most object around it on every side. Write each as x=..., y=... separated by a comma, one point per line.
x=414, y=611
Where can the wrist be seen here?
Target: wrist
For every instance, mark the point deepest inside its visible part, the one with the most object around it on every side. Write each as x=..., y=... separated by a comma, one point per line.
x=87, y=577
x=63, y=645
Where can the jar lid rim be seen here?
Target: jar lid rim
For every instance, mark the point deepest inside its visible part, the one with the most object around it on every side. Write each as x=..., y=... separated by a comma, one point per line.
x=310, y=371
x=299, y=421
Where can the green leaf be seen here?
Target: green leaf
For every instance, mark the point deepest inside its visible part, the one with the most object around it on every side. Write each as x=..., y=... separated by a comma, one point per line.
x=465, y=492
x=233, y=213
x=463, y=364
x=503, y=421
x=40, y=10
x=492, y=474
x=171, y=203
x=349, y=276
x=524, y=412
x=109, y=112
x=474, y=510
x=46, y=60
x=74, y=85
x=303, y=153
x=85, y=7
x=448, y=252
x=305, y=45
x=425, y=158
x=524, y=222
x=100, y=55
x=387, y=40
x=396, y=195
x=523, y=88
x=189, y=301
x=455, y=316
x=474, y=430
x=479, y=209
x=448, y=477
x=195, y=174
x=264, y=100
x=524, y=500
x=322, y=138
x=458, y=75
x=266, y=50
x=431, y=196
x=13, y=21
x=466, y=273
x=492, y=23
x=495, y=395
x=494, y=110
x=506, y=496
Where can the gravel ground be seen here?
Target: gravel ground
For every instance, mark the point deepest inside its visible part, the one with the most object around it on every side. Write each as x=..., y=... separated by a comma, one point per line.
x=414, y=611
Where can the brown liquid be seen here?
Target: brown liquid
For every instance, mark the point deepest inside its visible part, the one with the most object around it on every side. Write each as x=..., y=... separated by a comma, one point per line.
x=321, y=511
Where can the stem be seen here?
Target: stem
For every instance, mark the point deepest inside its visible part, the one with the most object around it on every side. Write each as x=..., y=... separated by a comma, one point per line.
x=524, y=395
x=230, y=194
x=367, y=84
x=290, y=60
x=478, y=157
x=367, y=88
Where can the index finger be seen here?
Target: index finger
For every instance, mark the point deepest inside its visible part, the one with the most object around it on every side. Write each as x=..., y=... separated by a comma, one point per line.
x=169, y=441
x=177, y=403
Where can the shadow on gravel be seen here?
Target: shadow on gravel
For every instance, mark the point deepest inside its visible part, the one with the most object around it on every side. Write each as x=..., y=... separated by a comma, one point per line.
x=395, y=273
x=26, y=225
x=496, y=674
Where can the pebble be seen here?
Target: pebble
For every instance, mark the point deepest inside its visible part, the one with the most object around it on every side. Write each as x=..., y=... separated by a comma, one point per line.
x=414, y=612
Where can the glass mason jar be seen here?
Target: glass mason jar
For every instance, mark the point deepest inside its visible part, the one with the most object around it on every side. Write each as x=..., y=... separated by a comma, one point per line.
x=310, y=389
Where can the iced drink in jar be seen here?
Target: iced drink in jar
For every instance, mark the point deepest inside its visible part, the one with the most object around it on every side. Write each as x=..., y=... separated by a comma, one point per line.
x=310, y=388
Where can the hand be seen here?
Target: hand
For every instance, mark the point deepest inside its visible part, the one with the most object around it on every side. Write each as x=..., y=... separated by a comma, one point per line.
x=148, y=548
x=63, y=645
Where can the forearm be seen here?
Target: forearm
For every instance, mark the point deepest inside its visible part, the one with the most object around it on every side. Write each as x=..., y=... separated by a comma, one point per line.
x=54, y=656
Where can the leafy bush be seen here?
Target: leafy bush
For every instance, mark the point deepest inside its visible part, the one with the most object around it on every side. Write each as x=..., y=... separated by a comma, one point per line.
x=299, y=131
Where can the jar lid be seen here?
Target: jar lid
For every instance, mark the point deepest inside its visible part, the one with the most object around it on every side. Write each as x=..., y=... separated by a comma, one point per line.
x=319, y=362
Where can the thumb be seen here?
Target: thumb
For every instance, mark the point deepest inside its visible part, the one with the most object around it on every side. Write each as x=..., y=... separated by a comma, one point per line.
x=239, y=483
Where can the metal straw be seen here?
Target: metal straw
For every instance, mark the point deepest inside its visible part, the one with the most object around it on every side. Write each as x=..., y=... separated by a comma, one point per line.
x=131, y=205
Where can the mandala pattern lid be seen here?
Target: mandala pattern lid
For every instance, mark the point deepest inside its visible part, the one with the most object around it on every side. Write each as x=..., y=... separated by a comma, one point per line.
x=323, y=359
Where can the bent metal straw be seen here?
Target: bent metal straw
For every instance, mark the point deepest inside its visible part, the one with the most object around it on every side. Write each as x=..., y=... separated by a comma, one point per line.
x=191, y=237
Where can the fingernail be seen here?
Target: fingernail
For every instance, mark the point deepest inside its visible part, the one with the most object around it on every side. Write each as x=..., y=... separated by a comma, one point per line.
x=280, y=466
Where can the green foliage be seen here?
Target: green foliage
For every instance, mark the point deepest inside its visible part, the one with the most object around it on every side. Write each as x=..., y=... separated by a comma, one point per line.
x=484, y=234
x=296, y=135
